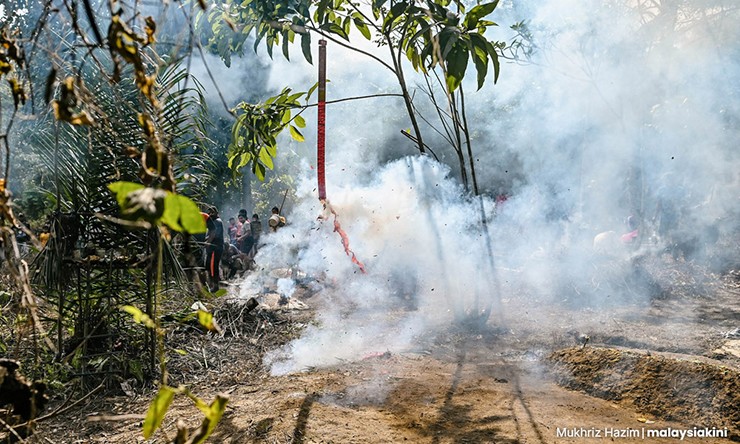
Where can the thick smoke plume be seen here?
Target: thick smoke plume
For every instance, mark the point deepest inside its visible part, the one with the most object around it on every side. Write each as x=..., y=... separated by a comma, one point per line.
x=626, y=116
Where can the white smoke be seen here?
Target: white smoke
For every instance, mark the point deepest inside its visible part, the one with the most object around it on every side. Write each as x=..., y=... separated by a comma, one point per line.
x=407, y=228
x=286, y=287
x=619, y=102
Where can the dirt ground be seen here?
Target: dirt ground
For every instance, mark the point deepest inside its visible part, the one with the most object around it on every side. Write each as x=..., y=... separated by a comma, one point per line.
x=512, y=381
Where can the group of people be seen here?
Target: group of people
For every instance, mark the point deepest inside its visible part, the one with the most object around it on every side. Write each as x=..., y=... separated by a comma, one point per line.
x=237, y=251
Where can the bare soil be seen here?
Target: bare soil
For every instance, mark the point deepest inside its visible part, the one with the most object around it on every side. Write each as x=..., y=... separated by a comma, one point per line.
x=667, y=363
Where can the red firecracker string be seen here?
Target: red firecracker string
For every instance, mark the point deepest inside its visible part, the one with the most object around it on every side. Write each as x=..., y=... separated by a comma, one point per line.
x=345, y=238
x=321, y=138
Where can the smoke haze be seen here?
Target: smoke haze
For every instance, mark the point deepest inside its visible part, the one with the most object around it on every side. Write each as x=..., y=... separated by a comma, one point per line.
x=624, y=110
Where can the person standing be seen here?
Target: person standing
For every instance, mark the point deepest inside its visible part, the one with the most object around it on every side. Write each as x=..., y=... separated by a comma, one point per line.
x=256, y=226
x=276, y=220
x=245, y=239
x=234, y=228
x=214, y=248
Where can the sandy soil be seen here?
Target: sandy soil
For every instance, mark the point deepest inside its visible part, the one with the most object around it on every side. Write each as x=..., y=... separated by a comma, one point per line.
x=495, y=385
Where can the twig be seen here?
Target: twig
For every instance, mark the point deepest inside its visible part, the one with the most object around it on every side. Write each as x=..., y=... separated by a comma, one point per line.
x=347, y=99
x=62, y=410
x=213, y=80
x=62, y=405
x=99, y=418
x=11, y=429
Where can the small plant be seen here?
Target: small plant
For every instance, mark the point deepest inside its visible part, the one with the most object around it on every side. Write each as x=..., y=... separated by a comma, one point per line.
x=147, y=207
x=212, y=414
x=161, y=403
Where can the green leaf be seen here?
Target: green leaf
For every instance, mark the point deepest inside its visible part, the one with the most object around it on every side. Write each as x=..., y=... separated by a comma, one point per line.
x=346, y=25
x=377, y=4
x=494, y=58
x=244, y=160
x=483, y=24
x=182, y=214
x=265, y=158
x=200, y=404
x=259, y=171
x=286, y=41
x=477, y=13
x=157, y=409
x=457, y=63
x=396, y=10
x=481, y=69
x=122, y=189
x=293, y=98
x=286, y=117
x=479, y=52
x=362, y=27
x=269, y=43
x=296, y=134
x=300, y=122
x=335, y=29
x=421, y=32
x=306, y=47
x=447, y=40
x=321, y=10
x=171, y=215
x=311, y=90
x=261, y=31
x=213, y=416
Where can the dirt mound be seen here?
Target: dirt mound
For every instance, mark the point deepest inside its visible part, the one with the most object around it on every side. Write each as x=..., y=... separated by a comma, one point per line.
x=691, y=391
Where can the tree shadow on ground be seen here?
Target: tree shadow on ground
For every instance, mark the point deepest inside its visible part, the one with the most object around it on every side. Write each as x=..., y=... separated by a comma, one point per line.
x=455, y=421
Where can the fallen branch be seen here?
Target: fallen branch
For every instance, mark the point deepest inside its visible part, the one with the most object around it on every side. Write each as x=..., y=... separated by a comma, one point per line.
x=101, y=418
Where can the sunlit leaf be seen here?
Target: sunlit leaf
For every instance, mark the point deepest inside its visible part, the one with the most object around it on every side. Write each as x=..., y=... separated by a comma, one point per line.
x=139, y=316
x=477, y=13
x=122, y=189
x=259, y=171
x=311, y=90
x=286, y=116
x=266, y=159
x=494, y=58
x=335, y=29
x=157, y=409
x=182, y=214
x=207, y=321
x=215, y=412
x=362, y=27
x=293, y=98
x=296, y=134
